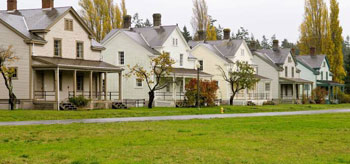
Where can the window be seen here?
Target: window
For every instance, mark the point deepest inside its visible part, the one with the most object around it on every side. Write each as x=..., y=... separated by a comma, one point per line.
x=121, y=58
x=292, y=72
x=68, y=24
x=80, y=82
x=57, y=47
x=139, y=83
x=181, y=87
x=306, y=87
x=267, y=86
x=15, y=72
x=321, y=75
x=286, y=71
x=327, y=76
x=80, y=50
x=181, y=59
x=289, y=59
x=324, y=64
x=201, y=65
x=242, y=52
x=175, y=42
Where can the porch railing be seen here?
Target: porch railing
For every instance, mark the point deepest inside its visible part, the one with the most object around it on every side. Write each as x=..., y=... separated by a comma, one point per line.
x=134, y=102
x=95, y=95
x=45, y=95
x=253, y=96
x=169, y=95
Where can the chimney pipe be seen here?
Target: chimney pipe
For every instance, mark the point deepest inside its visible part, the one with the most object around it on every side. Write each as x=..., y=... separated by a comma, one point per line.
x=275, y=45
x=201, y=35
x=11, y=5
x=313, y=51
x=47, y=4
x=227, y=33
x=127, y=21
x=157, y=19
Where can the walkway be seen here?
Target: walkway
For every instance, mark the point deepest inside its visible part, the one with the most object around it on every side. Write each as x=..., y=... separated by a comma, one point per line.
x=164, y=118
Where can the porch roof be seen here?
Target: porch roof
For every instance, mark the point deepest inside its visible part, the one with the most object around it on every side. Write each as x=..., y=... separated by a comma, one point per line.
x=261, y=77
x=294, y=80
x=52, y=62
x=189, y=72
x=325, y=83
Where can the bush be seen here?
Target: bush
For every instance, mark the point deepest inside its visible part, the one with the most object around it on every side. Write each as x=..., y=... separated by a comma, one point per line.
x=344, y=98
x=319, y=95
x=269, y=103
x=79, y=101
x=207, y=93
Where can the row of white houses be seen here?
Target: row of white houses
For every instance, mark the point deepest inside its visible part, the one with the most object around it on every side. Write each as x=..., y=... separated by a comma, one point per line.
x=59, y=59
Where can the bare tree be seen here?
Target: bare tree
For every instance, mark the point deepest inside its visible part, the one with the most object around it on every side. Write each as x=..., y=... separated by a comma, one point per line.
x=160, y=67
x=242, y=77
x=6, y=58
x=200, y=18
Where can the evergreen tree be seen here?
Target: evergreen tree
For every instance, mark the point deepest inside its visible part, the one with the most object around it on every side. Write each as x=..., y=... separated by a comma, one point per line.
x=186, y=34
x=336, y=59
x=287, y=44
x=265, y=43
x=138, y=22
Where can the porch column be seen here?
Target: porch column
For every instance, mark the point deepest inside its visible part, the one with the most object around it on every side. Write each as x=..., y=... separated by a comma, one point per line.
x=329, y=93
x=280, y=91
x=294, y=92
x=75, y=83
x=303, y=90
x=174, y=88
x=100, y=89
x=183, y=84
x=120, y=85
x=57, y=88
x=34, y=83
x=105, y=87
x=90, y=85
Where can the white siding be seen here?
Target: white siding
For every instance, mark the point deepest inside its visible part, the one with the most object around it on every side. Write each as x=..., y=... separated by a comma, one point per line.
x=21, y=50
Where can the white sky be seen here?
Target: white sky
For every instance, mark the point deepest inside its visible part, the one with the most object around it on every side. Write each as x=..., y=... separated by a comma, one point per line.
x=261, y=17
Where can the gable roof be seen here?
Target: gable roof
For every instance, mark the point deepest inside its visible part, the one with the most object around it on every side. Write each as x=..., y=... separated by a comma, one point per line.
x=227, y=48
x=210, y=47
x=277, y=57
x=29, y=21
x=314, y=62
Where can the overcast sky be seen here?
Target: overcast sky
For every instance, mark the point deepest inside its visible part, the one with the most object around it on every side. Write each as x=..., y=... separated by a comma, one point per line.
x=260, y=17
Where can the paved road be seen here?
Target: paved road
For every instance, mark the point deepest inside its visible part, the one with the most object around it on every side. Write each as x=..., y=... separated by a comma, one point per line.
x=163, y=118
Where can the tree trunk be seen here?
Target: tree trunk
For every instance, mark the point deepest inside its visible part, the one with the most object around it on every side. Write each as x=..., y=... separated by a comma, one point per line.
x=231, y=100
x=12, y=101
x=151, y=99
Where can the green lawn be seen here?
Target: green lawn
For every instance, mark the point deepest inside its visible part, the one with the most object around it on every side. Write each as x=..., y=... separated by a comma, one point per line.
x=22, y=115
x=288, y=139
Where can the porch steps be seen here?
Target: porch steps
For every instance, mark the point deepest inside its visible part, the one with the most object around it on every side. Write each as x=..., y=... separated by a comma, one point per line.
x=119, y=105
x=67, y=106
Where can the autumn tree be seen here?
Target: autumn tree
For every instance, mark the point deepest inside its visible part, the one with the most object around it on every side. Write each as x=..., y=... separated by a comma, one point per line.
x=6, y=58
x=315, y=29
x=160, y=67
x=102, y=15
x=241, y=77
x=336, y=33
x=208, y=90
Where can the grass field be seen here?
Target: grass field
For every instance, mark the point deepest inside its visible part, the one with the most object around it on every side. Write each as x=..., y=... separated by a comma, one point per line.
x=23, y=115
x=289, y=139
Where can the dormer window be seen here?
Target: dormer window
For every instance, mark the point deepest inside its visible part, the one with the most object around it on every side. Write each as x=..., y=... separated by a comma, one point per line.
x=68, y=24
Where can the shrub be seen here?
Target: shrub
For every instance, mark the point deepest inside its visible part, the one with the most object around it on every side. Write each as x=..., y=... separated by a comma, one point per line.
x=344, y=98
x=319, y=95
x=207, y=93
x=269, y=103
x=79, y=101
x=305, y=99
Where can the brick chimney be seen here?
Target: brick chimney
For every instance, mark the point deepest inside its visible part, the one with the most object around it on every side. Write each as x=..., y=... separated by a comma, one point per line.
x=275, y=46
x=127, y=21
x=157, y=19
x=11, y=5
x=227, y=34
x=47, y=4
x=201, y=35
x=313, y=51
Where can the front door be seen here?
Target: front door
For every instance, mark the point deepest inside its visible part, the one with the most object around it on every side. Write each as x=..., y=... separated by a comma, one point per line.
x=40, y=85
